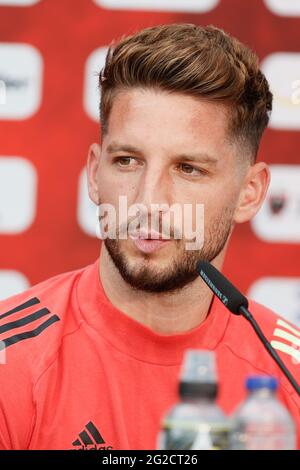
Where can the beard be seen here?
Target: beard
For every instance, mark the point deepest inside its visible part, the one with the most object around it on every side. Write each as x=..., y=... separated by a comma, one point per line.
x=181, y=269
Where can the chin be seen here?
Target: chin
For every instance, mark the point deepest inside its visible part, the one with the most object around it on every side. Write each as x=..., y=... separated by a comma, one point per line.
x=136, y=263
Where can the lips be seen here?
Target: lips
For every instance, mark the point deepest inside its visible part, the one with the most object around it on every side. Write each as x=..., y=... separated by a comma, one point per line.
x=148, y=245
x=148, y=242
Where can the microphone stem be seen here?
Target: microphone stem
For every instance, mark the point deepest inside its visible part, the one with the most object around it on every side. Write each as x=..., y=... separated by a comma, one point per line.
x=246, y=314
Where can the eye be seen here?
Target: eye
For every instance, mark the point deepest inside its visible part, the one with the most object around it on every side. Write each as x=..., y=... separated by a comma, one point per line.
x=188, y=169
x=125, y=161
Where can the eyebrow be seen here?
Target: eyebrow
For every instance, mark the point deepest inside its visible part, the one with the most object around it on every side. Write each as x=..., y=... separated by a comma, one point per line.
x=115, y=147
x=201, y=157
x=198, y=158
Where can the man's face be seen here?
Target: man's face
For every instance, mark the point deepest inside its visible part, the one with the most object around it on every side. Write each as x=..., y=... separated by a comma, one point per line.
x=163, y=148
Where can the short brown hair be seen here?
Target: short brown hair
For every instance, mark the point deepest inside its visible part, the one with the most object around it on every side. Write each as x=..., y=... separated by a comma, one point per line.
x=199, y=61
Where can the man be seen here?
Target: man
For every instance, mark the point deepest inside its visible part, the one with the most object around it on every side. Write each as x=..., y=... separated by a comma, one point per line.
x=92, y=357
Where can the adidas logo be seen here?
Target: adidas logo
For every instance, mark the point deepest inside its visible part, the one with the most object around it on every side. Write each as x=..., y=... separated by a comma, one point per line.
x=90, y=439
x=287, y=340
x=27, y=313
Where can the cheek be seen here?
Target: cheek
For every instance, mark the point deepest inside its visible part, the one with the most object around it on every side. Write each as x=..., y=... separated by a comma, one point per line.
x=218, y=214
x=111, y=187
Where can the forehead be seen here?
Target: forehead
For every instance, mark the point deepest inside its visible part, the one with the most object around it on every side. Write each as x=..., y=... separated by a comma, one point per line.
x=156, y=117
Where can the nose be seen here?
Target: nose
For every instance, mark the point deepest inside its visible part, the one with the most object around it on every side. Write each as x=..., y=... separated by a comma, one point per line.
x=153, y=195
x=154, y=188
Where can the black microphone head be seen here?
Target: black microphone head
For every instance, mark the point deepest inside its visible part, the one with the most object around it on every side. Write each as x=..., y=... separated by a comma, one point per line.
x=222, y=288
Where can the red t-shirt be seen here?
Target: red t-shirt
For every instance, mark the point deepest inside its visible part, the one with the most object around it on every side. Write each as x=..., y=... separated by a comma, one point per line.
x=76, y=372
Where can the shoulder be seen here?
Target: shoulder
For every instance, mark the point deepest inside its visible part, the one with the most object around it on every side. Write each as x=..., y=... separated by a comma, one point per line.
x=33, y=322
x=276, y=327
x=282, y=334
x=269, y=321
x=33, y=325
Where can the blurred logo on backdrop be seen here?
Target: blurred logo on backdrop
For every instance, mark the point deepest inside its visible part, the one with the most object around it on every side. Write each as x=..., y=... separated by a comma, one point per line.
x=21, y=77
x=18, y=194
x=280, y=294
x=199, y=6
x=86, y=209
x=91, y=96
x=284, y=7
x=11, y=283
x=282, y=69
x=18, y=3
x=279, y=218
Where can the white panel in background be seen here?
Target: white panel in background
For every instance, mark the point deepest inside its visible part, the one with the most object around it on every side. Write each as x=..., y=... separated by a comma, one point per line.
x=86, y=209
x=18, y=194
x=282, y=70
x=91, y=97
x=19, y=3
x=279, y=218
x=284, y=7
x=21, y=69
x=193, y=6
x=282, y=295
x=11, y=283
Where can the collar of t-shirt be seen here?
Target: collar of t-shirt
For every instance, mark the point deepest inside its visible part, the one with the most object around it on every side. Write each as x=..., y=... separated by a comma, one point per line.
x=134, y=339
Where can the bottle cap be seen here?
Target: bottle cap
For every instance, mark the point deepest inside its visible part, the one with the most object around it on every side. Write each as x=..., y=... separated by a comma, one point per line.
x=198, y=374
x=256, y=382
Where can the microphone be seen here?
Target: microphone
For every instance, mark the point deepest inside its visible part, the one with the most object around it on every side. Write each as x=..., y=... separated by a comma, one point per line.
x=237, y=303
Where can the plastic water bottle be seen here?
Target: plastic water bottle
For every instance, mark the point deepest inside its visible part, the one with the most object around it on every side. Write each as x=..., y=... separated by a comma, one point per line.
x=196, y=422
x=261, y=422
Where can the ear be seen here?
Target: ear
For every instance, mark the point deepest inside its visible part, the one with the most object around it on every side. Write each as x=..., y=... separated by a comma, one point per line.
x=92, y=172
x=253, y=192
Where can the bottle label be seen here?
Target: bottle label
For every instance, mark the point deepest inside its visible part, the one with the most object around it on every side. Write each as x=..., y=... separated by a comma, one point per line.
x=184, y=435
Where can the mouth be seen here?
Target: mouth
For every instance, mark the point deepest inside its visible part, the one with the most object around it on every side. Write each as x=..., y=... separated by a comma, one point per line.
x=148, y=243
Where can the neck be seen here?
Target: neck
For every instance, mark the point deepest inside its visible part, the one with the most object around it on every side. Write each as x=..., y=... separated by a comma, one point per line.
x=164, y=313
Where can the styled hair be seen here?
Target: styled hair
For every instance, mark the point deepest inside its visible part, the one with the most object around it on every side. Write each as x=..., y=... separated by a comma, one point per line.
x=199, y=61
